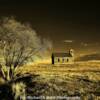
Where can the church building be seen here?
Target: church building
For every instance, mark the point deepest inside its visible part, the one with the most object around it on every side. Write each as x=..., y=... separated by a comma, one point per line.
x=63, y=58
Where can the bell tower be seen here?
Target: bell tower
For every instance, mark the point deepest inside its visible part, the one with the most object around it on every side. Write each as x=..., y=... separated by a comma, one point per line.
x=71, y=51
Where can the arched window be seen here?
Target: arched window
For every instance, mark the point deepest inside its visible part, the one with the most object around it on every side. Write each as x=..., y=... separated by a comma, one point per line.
x=58, y=60
x=67, y=60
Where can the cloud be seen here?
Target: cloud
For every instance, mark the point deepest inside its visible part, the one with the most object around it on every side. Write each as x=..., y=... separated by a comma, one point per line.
x=84, y=44
x=89, y=44
x=68, y=41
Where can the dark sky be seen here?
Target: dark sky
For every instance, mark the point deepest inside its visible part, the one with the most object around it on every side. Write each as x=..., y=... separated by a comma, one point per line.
x=68, y=23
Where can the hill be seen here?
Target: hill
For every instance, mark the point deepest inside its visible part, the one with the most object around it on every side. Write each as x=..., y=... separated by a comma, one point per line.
x=89, y=57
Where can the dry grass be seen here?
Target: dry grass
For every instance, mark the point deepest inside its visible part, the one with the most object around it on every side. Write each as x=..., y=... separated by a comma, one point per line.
x=89, y=69
x=79, y=79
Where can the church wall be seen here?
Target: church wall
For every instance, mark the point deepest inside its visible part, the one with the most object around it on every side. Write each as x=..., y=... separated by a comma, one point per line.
x=63, y=60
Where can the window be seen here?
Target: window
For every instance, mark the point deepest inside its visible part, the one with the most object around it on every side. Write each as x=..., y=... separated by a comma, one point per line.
x=58, y=60
x=67, y=60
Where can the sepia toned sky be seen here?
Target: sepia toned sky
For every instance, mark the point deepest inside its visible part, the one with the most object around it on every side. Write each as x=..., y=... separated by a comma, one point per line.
x=67, y=23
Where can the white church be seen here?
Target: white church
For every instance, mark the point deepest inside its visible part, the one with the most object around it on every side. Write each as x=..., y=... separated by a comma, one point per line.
x=63, y=58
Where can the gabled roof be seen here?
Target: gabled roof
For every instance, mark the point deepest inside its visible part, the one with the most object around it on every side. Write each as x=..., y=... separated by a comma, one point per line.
x=61, y=54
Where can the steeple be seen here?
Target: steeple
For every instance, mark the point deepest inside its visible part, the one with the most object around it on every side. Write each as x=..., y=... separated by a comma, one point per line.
x=71, y=51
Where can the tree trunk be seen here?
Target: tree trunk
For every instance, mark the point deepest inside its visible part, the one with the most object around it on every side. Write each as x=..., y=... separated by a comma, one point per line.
x=7, y=73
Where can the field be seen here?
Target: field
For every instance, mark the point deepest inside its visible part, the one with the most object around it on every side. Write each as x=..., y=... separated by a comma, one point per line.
x=86, y=69
x=79, y=79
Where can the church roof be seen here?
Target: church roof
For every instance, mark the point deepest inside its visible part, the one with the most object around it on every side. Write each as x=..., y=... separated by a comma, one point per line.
x=62, y=55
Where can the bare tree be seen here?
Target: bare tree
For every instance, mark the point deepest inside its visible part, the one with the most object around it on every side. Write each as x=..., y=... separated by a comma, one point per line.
x=18, y=43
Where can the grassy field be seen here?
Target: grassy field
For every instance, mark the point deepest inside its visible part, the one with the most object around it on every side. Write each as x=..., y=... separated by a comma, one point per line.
x=84, y=69
x=78, y=79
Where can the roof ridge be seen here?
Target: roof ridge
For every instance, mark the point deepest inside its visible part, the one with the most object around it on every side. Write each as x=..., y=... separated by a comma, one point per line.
x=67, y=54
